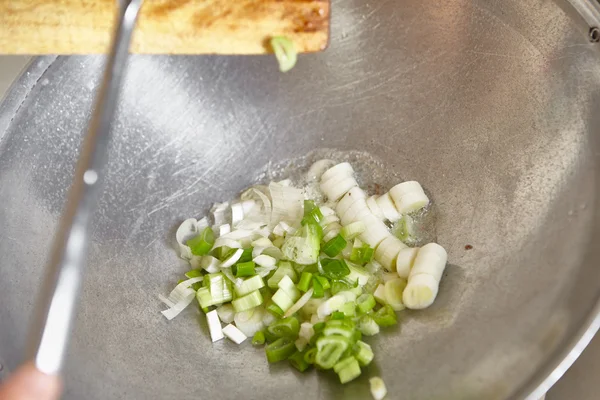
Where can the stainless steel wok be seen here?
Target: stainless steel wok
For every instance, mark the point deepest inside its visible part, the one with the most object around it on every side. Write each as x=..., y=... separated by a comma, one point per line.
x=492, y=105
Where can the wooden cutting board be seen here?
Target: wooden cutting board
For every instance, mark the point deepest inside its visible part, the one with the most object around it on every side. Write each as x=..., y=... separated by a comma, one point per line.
x=164, y=26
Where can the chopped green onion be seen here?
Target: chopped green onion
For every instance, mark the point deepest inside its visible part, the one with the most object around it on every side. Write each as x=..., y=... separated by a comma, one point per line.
x=259, y=338
x=334, y=269
x=343, y=327
x=248, y=301
x=338, y=286
x=318, y=327
x=204, y=298
x=305, y=280
x=362, y=255
x=270, y=338
x=363, y=353
x=365, y=302
x=318, y=291
x=242, y=269
x=282, y=299
x=281, y=349
x=349, y=309
x=333, y=247
x=309, y=206
x=285, y=52
x=287, y=285
x=285, y=268
x=352, y=230
x=303, y=247
x=249, y=285
x=218, y=288
x=324, y=282
x=358, y=275
x=338, y=315
x=343, y=363
x=385, y=316
x=194, y=273
x=312, y=213
x=201, y=244
x=246, y=255
x=310, y=355
x=350, y=372
x=275, y=310
x=367, y=326
x=404, y=229
x=298, y=362
x=330, y=349
x=220, y=253
x=285, y=327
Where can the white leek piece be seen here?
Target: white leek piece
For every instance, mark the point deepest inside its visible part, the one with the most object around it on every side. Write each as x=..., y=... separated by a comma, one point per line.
x=405, y=260
x=326, y=211
x=378, y=389
x=387, y=252
x=179, y=292
x=335, y=190
x=316, y=171
x=214, y=326
x=226, y=313
x=424, y=277
x=379, y=294
x=330, y=305
x=306, y=330
x=237, y=213
x=355, y=212
x=341, y=169
x=220, y=213
x=349, y=198
x=232, y=259
x=265, y=261
x=287, y=203
x=408, y=197
x=393, y=293
x=387, y=207
x=186, y=298
x=374, y=207
x=234, y=334
x=224, y=229
x=250, y=321
x=299, y=304
x=375, y=231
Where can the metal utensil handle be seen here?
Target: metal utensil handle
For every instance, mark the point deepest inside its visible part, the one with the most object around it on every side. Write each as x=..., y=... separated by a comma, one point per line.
x=56, y=307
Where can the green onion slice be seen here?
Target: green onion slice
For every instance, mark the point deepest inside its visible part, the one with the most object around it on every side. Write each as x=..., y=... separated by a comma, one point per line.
x=334, y=247
x=280, y=349
x=286, y=327
x=259, y=338
x=298, y=362
x=242, y=269
x=334, y=269
x=201, y=244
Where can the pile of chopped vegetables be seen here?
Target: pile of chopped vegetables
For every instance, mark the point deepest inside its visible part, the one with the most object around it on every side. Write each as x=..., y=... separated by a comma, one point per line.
x=309, y=280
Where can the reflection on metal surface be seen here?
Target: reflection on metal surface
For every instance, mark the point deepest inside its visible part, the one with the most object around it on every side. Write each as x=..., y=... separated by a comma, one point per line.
x=56, y=307
x=496, y=120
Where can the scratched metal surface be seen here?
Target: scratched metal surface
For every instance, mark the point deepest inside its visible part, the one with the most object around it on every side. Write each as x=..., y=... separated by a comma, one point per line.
x=491, y=105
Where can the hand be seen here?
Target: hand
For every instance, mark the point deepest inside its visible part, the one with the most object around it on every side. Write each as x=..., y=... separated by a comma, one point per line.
x=27, y=383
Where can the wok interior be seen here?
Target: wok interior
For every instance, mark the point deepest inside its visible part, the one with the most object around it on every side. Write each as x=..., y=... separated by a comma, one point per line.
x=488, y=104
